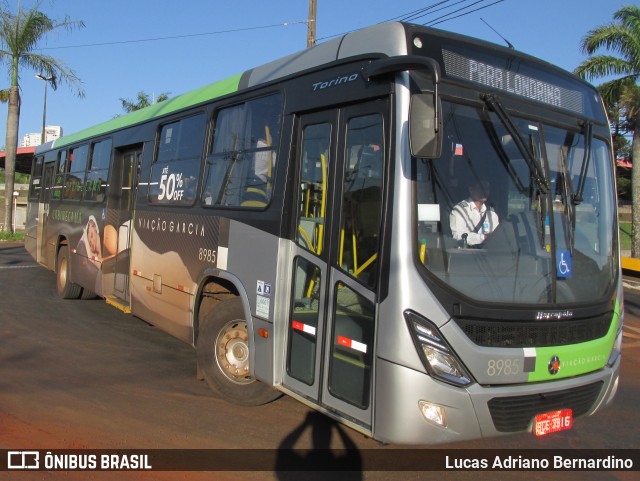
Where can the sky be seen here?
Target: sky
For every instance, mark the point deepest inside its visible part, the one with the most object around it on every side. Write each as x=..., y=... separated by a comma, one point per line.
x=159, y=46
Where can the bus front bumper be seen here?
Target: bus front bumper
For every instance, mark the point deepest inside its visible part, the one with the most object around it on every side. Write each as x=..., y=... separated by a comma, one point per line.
x=477, y=411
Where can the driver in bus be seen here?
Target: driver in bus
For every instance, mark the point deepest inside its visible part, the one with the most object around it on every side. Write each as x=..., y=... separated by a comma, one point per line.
x=473, y=219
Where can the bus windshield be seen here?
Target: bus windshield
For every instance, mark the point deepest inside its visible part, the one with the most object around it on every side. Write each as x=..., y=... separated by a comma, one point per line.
x=517, y=211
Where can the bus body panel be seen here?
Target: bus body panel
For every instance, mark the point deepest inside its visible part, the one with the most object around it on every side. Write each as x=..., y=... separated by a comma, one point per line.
x=253, y=258
x=31, y=230
x=169, y=250
x=170, y=253
x=398, y=416
x=163, y=305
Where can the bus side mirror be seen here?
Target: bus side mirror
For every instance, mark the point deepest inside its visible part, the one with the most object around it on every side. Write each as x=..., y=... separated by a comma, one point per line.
x=425, y=126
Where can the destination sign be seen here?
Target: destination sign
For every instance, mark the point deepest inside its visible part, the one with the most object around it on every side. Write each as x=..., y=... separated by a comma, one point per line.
x=513, y=82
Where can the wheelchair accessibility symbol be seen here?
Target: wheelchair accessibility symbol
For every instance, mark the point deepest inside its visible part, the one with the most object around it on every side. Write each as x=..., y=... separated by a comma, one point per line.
x=564, y=268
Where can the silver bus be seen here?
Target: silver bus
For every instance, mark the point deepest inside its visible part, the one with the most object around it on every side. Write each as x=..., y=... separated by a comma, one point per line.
x=411, y=231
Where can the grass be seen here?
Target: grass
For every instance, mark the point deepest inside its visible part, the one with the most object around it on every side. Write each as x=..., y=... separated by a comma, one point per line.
x=625, y=236
x=20, y=178
x=8, y=236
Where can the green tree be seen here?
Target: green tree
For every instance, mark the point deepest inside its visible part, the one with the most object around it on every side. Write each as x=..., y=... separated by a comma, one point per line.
x=143, y=100
x=20, y=35
x=622, y=38
x=620, y=129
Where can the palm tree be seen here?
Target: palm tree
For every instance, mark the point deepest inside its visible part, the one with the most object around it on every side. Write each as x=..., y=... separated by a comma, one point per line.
x=623, y=38
x=20, y=35
x=143, y=100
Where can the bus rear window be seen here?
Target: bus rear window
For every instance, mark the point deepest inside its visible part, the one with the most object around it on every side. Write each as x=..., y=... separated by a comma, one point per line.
x=36, y=178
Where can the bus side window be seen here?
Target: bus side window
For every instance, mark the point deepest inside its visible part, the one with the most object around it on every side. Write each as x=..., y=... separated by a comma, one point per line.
x=241, y=164
x=75, y=176
x=57, y=191
x=98, y=173
x=176, y=170
x=62, y=162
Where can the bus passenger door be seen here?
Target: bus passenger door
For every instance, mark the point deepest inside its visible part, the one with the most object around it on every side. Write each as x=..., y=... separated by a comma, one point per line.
x=43, y=211
x=117, y=229
x=331, y=325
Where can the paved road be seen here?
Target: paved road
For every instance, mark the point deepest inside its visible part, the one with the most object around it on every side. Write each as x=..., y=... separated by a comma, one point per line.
x=82, y=375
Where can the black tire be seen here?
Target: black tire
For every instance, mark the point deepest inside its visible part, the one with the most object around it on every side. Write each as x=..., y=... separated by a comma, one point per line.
x=88, y=294
x=66, y=289
x=223, y=356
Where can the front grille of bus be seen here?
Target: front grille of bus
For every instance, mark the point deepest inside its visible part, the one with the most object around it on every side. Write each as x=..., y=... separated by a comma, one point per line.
x=511, y=414
x=534, y=334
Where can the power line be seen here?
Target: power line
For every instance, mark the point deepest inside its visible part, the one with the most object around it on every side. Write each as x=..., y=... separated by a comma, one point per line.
x=174, y=37
x=434, y=22
x=433, y=10
x=429, y=10
x=406, y=17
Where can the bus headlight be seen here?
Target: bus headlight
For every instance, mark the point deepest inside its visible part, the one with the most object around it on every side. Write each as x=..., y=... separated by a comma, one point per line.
x=437, y=356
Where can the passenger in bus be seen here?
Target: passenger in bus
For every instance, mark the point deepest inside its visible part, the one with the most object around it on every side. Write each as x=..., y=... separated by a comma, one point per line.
x=263, y=161
x=207, y=197
x=473, y=219
x=257, y=184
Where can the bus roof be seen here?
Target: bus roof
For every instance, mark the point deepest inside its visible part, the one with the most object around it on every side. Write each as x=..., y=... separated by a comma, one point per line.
x=188, y=99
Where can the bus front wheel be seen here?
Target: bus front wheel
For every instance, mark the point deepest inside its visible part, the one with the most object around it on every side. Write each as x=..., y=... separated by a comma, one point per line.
x=223, y=356
x=66, y=289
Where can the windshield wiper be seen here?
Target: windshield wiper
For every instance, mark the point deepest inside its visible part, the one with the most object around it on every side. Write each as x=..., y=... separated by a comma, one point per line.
x=534, y=164
x=577, y=197
x=500, y=150
x=570, y=207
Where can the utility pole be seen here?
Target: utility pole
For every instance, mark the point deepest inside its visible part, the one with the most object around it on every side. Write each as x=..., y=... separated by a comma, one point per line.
x=311, y=24
x=43, y=136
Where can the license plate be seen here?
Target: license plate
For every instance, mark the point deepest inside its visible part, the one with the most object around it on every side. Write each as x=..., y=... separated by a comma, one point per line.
x=553, y=422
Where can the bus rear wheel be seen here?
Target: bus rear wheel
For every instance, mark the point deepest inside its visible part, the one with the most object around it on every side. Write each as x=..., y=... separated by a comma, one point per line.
x=223, y=356
x=66, y=289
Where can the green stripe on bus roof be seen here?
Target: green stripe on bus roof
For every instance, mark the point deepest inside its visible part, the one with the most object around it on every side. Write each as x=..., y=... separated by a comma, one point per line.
x=188, y=99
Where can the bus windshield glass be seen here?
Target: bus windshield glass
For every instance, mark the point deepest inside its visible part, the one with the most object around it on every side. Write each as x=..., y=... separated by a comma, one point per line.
x=517, y=211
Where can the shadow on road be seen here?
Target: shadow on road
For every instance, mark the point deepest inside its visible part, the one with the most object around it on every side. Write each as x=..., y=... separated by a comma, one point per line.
x=14, y=254
x=344, y=463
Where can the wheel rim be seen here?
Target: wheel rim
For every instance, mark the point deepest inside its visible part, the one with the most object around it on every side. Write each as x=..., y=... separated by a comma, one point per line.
x=232, y=352
x=62, y=273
